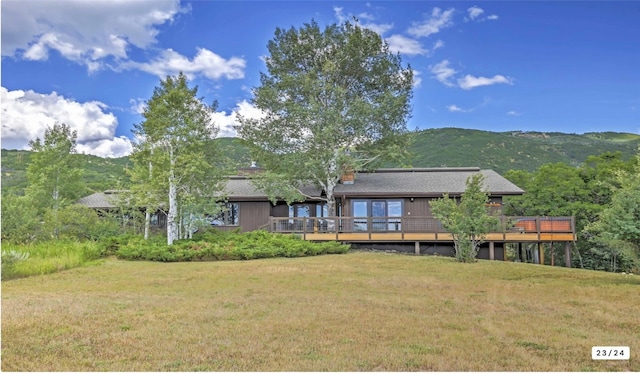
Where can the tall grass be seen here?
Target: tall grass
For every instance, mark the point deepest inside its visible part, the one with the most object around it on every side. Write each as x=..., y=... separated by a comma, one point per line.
x=20, y=261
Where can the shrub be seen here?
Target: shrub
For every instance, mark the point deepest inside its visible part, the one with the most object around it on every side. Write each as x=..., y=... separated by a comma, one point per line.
x=221, y=245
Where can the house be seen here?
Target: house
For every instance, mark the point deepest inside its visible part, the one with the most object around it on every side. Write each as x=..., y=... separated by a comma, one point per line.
x=390, y=209
x=387, y=209
x=110, y=202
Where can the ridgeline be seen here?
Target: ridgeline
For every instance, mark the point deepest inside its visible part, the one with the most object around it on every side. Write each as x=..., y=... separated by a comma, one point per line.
x=452, y=147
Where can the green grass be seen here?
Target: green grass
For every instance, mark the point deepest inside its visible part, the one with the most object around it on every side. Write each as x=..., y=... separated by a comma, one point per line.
x=351, y=312
x=48, y=257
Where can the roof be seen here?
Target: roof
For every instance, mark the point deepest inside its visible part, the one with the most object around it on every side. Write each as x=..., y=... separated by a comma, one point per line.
x=101, y=200
x=424, y=182
x=396, y=182
x=242, y=188
x=431, y=182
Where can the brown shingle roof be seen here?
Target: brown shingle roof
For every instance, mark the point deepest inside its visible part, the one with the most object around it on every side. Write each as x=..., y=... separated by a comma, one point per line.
x=426, y=182
x=101, y=200
x=382, y=182
x=404, y=182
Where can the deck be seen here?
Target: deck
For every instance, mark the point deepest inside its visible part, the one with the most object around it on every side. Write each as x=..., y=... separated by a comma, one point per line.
x=421, y=229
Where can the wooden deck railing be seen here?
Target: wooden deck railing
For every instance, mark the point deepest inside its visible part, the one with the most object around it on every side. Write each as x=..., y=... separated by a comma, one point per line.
x=420, y=228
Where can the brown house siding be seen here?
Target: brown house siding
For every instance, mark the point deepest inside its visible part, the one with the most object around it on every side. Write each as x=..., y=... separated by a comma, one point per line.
x=280, y=210
x=253, y=214
x=419, y=207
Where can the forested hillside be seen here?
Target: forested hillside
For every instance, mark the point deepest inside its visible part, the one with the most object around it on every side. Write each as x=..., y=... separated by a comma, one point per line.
x=514, y=150
x=500, y=151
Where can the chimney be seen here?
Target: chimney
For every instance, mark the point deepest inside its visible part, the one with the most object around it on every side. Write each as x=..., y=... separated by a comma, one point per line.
x=348, y=175
x=253, y=169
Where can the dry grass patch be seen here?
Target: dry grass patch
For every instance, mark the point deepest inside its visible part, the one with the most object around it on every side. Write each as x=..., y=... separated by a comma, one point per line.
x=353, y=312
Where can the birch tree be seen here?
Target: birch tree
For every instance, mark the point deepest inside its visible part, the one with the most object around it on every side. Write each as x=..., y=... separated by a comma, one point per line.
x=170, y=158
x=334, y=100
x=54, y=174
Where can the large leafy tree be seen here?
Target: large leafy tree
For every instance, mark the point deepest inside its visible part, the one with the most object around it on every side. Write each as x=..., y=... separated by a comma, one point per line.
x=334, y=100
x=54, y=173
x=468, y=220
x=618, y=225
x=584, y=192
x=173, y=167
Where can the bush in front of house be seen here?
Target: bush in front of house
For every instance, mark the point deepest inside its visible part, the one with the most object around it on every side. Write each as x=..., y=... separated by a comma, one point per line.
x=217, y=245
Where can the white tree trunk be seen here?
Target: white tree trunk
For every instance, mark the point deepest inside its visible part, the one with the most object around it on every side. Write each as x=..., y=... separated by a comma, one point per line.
x=147, y=215
x=172, y=216
x=147, y=223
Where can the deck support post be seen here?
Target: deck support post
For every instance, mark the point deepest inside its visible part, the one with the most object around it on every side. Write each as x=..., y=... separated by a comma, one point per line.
x=417, y=249
x=567, y=254
x=491, y=251
x=541, y=253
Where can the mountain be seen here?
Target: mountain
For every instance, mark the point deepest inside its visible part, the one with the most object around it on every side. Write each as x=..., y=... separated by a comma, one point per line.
x=503, y=151
x=453, y=147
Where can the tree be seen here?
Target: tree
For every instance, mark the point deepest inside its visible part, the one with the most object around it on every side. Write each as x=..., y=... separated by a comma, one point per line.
x=171, y=157
x=468, y=221
x=54, y=174
x=618, y=225
x=20, y=221
x=561, y=190
x=333, y=101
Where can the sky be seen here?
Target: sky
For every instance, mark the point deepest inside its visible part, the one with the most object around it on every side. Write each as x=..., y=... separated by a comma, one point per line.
x=559, y=66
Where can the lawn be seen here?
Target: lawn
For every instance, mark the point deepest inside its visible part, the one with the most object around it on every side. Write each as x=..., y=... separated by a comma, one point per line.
x=359, y=311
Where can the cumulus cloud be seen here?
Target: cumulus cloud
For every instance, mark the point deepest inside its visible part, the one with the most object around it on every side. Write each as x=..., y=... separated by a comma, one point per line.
x=82, y=31
x=513, y=113
x=379, y=28
x=474, y=12
x=468, y=81
x=437, y=21
x=227, y=122
x=417, y=81
x=443, y=73
x=27, y=114
x=404, y=45
x=492, y=17
x=205, y=63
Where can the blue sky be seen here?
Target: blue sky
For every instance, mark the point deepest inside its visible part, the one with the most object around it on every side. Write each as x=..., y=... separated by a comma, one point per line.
x=499, y=66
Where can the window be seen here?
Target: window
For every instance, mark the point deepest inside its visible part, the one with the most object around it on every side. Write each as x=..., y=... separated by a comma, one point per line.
x=387, y=210
x=228, y=217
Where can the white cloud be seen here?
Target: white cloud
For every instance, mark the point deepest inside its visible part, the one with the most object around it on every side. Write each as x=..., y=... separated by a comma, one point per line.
x=379, y=28
x=474, y=12
x=468, y=81
x=115, y=147
x=27, y=114
x=513, y=113
x=227, y=122
x=402, y=44
x=455, y=108
x=137, y=105
x=417, y=81
x=443, y=73
x=205, y=63
x=437, y=45
x=82, y=31
x=437, y=21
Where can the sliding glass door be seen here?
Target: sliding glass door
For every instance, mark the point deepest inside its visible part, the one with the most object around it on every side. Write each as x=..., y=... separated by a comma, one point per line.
x=381, y=214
